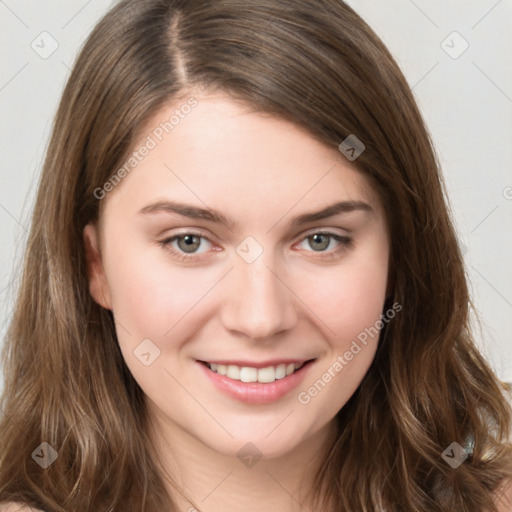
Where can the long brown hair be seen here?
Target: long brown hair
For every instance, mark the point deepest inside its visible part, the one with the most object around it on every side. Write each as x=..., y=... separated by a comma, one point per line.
x=318, y=65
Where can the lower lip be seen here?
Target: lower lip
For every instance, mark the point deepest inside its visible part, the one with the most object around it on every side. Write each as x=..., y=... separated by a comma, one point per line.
x=256, y=392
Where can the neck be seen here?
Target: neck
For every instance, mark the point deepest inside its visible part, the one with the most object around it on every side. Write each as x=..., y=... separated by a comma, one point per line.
x=214, y=482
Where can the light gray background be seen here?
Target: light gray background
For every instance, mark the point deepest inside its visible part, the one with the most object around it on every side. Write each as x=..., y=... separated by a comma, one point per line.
x=466, y=99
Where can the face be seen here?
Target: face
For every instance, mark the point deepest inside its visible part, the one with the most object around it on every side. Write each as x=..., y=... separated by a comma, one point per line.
x=243, y=261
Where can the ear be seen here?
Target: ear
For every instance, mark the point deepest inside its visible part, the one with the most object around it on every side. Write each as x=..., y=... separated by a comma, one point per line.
x=98, y=284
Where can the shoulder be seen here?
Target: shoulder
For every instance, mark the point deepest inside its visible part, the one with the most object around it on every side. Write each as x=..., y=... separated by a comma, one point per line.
x=17, y=507
x=504, y=497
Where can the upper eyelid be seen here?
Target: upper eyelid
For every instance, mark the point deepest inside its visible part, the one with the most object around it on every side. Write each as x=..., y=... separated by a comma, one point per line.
x=308, y=232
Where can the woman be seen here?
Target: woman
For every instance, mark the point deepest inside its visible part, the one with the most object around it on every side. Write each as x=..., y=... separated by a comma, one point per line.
x=242, y=287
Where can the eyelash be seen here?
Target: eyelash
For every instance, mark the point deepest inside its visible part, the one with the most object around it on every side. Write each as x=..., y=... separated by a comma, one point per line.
x=345, y=243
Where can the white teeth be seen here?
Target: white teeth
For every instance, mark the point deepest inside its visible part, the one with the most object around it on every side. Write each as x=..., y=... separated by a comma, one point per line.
x=281, y=371
x=233, y=372
x=250, y=374
x=267, y=374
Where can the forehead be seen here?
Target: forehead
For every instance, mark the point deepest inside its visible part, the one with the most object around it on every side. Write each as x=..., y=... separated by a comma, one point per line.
x=221, y=153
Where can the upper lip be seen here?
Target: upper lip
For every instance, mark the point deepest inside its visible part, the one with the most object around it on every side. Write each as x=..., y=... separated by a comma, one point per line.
x=255, y=364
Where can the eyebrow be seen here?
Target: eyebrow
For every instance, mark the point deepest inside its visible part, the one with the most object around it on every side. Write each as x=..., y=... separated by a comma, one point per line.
x=194, y=212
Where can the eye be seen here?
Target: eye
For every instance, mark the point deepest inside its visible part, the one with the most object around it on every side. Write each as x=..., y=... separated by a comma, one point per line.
x=185, y=244
x=321, y=241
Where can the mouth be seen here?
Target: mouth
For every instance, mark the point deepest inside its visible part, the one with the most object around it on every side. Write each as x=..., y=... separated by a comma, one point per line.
x=256, y=373
x=256, y=383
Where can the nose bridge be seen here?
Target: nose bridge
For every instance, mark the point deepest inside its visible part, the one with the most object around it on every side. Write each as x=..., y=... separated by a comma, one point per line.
x=259, y=303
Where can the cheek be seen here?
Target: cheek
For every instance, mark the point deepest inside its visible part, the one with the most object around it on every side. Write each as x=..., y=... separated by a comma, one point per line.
x=149, y=295
x=153, y=300
x=349, y=299
x=349, y=302
x=351, y=307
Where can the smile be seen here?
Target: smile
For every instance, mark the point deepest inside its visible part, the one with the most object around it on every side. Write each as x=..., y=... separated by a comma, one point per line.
x=251, y=374
x=256, y=383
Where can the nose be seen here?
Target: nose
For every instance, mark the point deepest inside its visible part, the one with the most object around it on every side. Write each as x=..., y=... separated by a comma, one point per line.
x=260, y=304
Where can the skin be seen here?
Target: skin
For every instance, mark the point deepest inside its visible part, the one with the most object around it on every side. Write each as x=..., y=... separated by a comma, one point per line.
x=299, y=299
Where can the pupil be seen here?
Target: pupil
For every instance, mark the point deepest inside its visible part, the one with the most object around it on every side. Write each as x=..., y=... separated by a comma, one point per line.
x=189, y=241
x=317, y=239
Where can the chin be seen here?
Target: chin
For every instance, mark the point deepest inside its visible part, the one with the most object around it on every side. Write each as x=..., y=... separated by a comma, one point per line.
x=262, y=441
